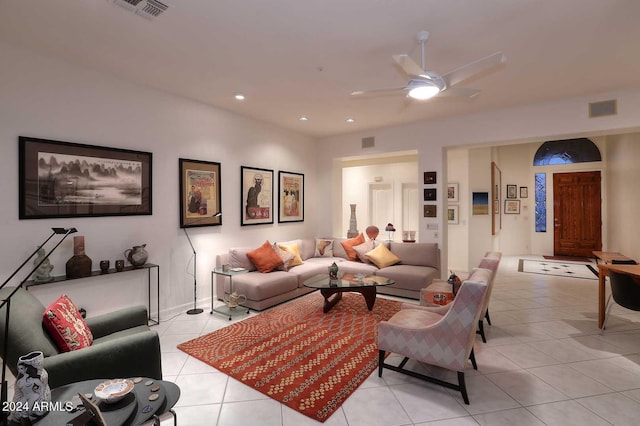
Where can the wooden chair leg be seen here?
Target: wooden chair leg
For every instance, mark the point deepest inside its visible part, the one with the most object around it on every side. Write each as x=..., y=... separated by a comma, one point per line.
x=480, y=331
x=463, y=387
x=472, y=357
x=380, y=362
x=486, y=315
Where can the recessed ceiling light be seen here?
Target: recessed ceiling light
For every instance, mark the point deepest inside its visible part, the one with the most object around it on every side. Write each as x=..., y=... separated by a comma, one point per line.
x=239, y=96
x=350, y=120
x=303, y=118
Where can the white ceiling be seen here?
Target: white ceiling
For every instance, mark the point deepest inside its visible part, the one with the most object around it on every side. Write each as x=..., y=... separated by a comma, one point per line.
x=304, y=57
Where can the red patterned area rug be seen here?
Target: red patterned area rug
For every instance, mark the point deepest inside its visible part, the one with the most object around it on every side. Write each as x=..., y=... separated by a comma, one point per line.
x=295, y=354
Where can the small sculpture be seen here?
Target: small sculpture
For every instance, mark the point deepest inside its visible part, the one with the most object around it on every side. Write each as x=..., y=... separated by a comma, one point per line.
x=43, y=272
x=333, y=271
x=31, y=393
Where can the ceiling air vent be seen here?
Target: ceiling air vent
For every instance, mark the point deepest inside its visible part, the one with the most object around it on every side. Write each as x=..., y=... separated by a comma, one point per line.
x=600, y=109
x=149, y=9
x=368, y=142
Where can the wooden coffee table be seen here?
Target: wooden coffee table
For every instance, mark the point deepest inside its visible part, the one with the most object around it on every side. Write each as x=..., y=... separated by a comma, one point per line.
x=347, y=282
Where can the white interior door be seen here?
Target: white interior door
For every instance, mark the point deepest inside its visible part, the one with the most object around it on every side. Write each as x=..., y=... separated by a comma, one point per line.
x=381, y=206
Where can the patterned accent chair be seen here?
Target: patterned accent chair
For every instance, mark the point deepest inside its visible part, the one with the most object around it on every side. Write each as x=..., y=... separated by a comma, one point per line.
x=435, y=336
x=491, y=261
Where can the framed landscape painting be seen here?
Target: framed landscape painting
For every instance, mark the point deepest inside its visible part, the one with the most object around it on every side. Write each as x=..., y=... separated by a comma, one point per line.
x=290, y=197
x=64, y=179
x=257, y=196
x=200, y=193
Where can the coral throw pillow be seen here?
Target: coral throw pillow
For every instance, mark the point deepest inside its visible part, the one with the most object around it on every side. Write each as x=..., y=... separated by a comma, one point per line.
x=265, y=258
x=66, y=326
x=382, y=257
x=293, y=248
x=349, y=244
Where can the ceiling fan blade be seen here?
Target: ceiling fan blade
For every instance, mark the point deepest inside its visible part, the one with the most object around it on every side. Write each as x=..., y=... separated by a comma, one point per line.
x=473, y=69
x=409, y=66
x=458, y=92
x=378, y=92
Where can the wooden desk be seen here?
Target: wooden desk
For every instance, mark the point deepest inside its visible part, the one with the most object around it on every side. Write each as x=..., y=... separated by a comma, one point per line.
x=603, y=272
x=610, y=256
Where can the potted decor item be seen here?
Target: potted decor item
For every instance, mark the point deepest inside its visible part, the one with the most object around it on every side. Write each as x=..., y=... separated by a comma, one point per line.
x=455, y=282
x=80, y=264
x=333, y=271
x=137, y=255
x=32, y=395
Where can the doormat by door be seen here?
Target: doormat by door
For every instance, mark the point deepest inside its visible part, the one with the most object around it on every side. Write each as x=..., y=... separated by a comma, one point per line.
x=557, y=268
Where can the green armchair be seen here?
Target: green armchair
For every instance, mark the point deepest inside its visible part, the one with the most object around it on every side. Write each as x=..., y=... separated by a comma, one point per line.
x=123, y=345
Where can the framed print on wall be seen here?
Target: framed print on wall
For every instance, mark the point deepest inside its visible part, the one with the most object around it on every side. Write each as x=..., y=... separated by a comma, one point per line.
x=64, y=179
x=452, y=214
x=200, y=193
x=430, y=194
x=452, y=192
x=429, y=177
x=480, y=203
x=512, y=191
x=524, y=192
x=511, y=206
x=257, y=196
x=430, y=210
x=290, y=197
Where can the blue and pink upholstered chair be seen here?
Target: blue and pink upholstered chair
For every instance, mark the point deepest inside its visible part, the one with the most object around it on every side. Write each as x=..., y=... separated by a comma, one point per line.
x=440, y=336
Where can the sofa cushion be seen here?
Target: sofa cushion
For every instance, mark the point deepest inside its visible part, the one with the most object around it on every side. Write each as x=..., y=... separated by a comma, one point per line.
x=349, y=244
x=238, y=258
x=409, y=277
x=421, y=254
x=307, y=248
x=257, y=286
x=66, y=326
x=286, y=257
x=382, y=257
x=295, y=250
x=307, y=270
x=324, y=248
x=265, y=258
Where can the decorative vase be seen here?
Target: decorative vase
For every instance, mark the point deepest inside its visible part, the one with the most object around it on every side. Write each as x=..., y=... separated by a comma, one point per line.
x=104, y=266
x=137, y=255
x=80, y=264
x=120, y=265
x=32, y=395
x=353, y=223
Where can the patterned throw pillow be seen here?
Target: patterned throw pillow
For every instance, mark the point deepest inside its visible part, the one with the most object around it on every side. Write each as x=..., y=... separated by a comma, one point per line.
x=287, y=258
x=349, y=244
x=265, y=258
x=324, y=248
x=66, y=326
x=363, y=249
x=295, y=249
x=382, y=257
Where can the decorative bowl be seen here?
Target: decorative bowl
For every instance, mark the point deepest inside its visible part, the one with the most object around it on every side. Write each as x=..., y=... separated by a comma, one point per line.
x=439, y=298
x=111, y=391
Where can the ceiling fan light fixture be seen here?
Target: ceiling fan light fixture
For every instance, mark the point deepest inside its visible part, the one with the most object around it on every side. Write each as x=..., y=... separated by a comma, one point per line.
x=424, y=91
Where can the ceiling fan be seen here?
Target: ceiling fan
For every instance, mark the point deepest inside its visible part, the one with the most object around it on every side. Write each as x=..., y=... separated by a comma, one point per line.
x=425, y=84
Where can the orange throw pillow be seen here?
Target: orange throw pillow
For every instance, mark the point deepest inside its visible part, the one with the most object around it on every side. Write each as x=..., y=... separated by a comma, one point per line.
x=350, y=244
x=66, y=326
x=265, y=258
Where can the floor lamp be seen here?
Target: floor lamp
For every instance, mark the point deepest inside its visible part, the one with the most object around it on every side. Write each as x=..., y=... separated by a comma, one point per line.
x=6, y=301
x=195, y=310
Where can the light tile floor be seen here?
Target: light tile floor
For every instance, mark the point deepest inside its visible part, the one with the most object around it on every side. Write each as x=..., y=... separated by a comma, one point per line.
x=545, y=363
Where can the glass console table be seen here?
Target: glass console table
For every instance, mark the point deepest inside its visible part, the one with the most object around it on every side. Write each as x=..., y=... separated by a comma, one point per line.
x=225, y=309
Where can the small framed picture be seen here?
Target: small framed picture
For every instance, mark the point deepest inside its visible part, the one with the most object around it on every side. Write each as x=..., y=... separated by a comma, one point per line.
x=452, y=215
x=452, y=192
x=511, y=206
x=429, y=178
x=430, y=210
x=512, y=191
x=430, y=194
x=524, y=192
x=200, y=193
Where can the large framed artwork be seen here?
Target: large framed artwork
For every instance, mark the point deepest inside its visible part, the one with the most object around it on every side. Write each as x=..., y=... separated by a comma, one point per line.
x=63, y=179
x=257, y=196
x=200, y=193
x=290, y=197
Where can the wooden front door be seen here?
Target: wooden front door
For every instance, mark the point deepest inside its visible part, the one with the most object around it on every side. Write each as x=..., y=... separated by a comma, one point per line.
x=577, y=213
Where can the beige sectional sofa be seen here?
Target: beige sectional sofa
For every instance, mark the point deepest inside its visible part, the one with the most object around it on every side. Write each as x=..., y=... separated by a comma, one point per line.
x=419, y=265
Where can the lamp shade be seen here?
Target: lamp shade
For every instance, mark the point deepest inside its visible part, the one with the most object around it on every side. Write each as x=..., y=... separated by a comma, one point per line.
x=372, y=232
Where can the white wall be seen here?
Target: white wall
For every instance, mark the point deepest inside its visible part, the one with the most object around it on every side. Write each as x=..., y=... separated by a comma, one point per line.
x=46, y=98
x=458, y=234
